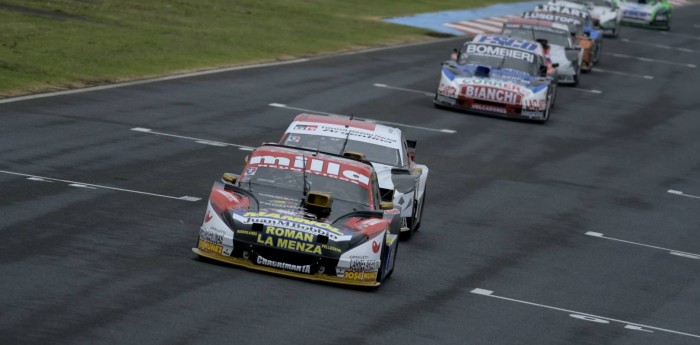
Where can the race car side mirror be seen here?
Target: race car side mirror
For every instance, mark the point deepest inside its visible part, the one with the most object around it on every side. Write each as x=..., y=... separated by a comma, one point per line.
x=543, y=71
x=230, y=178
x=386, y=205
x=457, y=54
x=555, y=65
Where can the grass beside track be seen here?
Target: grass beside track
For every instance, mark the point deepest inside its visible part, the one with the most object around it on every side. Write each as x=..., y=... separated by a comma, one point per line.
x=60, y=44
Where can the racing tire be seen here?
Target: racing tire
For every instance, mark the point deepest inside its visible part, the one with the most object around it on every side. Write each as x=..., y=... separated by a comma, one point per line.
x=406, y=235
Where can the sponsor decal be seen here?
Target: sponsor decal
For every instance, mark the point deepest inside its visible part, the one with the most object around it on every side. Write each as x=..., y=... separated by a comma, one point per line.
x=212, y=234
x=553, y=18
x=291, y=222
x=378, y=136
x=210, y=247
x=294, y=138
x=247, y=232
x=563, y=10
x=208, y=217
x=484, y=49
x=365, y=265
x=362, y=276
x=318, y=166
x=251, y=171
x=536, y=104
x=509, y=42
x=496, y=83
x=375, y=246
x=306, y=127
x=392, y=211
x=489, y=108
x=291, y=239
x=447, y=90
x=283, y=265
x=491, y=94
x=532, y=113
x=637, y=14
x=447, y=100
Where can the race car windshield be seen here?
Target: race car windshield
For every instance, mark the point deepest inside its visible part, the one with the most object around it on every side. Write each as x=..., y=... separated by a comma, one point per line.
x=294, y=181
x=373, y=152
x=504, y=59
x=560, y=39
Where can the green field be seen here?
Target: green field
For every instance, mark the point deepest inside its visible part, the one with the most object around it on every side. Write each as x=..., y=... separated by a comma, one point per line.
x=52, y=45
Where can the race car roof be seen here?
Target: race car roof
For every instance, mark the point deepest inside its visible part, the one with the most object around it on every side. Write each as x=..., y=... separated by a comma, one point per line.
x=509, y=42
x=358, y=130
x=536, y=24
x=286, y=158
x=576, y=12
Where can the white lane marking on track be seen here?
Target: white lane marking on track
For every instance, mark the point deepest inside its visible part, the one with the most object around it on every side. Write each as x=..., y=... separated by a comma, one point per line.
x=677, y=192
x=662, y=46
x=80, y=185
x=670, y=251
x=679, y=35
x=648, y=77
x=585, y=90
x=583, y=316
x=689, y=65
x=196, y=140
x=96, y=186
x=284, y=106
x=429, y=94
x=33, y=178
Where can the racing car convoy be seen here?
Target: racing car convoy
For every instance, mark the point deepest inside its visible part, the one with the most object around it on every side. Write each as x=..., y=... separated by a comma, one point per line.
x=330, y=201
x=511, y=75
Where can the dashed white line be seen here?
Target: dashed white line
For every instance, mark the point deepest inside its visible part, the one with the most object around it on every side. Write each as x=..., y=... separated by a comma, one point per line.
x=585, y=90
x=689, y=65
x=680, y=35
x=284, y=106
x=196, y=140
x=661, y=46
x=429, y=94
x=670, y=251
x=95, y=186
x=584, y=316
x=677, y=192
x=648, y=77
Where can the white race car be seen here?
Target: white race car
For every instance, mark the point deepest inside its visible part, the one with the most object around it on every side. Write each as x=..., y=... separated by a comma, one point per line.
x=606, y=14
x=559, y=45
x=391, y=155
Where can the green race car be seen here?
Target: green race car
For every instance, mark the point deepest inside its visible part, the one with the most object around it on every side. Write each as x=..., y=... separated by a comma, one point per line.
x=654, y=14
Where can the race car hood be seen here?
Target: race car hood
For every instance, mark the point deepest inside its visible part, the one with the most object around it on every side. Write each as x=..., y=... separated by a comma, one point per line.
x=507, y=76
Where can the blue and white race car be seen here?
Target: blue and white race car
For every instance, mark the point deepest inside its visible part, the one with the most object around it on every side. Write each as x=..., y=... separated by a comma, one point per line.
x=499, y=75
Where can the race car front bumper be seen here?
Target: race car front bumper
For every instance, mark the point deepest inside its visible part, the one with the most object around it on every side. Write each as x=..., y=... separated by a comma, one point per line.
x=489, y=108
x=320, y=277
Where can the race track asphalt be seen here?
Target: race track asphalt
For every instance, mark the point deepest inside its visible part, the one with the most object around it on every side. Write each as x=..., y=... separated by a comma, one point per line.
x=563, y=233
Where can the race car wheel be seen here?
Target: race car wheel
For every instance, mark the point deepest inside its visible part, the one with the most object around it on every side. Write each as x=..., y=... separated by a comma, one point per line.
x=406, y=235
